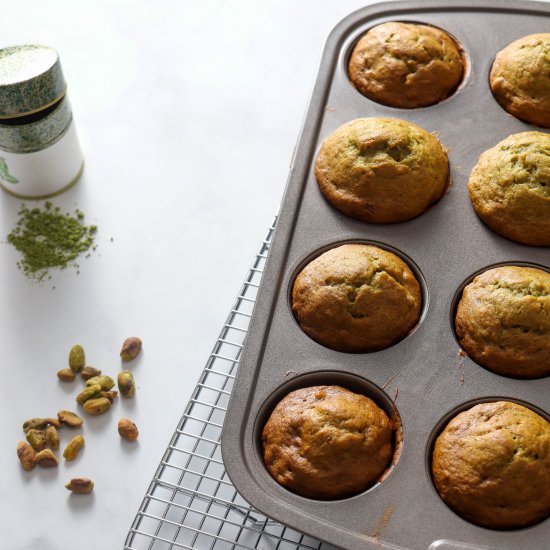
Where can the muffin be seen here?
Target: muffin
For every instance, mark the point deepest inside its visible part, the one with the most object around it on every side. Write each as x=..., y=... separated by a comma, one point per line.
x=326, y=442
x=356, y=298
x=503, y=321
x=381, y=170
x=406, y=65
x=510, y=188
x=491, y=465
x=519, y=79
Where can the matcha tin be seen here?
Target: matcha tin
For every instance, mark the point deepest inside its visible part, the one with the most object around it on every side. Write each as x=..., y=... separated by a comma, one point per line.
x=39, y=151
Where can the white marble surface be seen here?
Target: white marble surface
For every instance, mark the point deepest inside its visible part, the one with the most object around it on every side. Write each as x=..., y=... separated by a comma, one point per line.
x=187, y=112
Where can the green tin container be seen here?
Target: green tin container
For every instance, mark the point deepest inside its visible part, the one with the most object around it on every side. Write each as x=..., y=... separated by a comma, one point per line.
x=40, y=154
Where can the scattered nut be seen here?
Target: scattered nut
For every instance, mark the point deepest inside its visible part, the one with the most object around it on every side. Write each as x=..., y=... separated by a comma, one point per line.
x=80, y=485
x=110, y=395
x=77, y=358
x=66, y=375
x=97, y=406
x=127, y=429
x=26, y=455
x=106, y=382
x=88, y=393
x=130, y=348
x=70, y=419
x=73, y=447
x=40, y=424
x=46, y=459
x=126, y=384
x=52, y=438
x=89, y=372
x=37, y=439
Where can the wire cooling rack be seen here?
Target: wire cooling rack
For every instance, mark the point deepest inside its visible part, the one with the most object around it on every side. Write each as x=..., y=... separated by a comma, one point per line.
x=191, y=503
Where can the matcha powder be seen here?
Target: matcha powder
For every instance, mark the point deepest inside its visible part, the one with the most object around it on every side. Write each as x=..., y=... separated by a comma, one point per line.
x=48, y=239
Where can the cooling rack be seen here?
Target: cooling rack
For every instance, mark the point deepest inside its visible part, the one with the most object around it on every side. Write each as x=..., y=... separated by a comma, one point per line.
x=191, y=503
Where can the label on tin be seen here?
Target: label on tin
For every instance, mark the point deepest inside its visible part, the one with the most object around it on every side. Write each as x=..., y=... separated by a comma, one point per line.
x=42, y=173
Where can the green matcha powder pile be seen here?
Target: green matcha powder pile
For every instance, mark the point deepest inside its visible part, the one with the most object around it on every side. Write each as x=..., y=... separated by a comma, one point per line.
x=48, y=239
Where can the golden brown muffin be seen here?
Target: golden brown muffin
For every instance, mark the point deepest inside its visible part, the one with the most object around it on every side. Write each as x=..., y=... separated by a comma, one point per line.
x=382, y=170
x=503, y=321
x=406, y=65
x=491, y=465
x=356, y=298
x=327, y=442
x=510, y=188
x=519, y=79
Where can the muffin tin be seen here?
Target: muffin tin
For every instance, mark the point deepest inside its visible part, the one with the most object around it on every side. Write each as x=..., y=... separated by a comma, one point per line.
x=425, y=378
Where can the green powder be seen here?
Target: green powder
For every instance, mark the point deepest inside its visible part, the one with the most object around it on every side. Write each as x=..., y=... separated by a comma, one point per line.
x=48, y=239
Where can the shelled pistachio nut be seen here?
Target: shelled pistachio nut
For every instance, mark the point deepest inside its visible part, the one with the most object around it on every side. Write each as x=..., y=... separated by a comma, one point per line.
x=126, y=383
x=80, y=485
x=77, y=358
x=130, y=348
x=106, y=382
x=66, y=375
x=127, y=429
x=97, y=406
x=52, y=438
x=73, y=447
x=89, y=372
x=110, y=395
x=70, y=419
x=46, y=459
x=88, y=393
x=40, y=424
x=36, y=439
x=26, y=455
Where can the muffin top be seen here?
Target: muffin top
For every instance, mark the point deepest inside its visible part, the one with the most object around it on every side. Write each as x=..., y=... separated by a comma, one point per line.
x=327, y=442
x=510, y=188
x=491, y=465
x=356, y=298
x=381, y=170
x=519, y=79
x=503, y=321
x=406, y=65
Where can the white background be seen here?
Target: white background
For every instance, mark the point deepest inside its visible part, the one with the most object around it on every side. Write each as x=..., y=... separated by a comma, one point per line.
x=188, y=112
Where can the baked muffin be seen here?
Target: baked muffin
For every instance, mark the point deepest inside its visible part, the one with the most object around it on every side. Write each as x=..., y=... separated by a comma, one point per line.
x=382, y=170
x=491, y=465
x=519, y=79
x=406, y=65
x=356, y=298
x=503, y=321
x=510, y=188
x=327, y=442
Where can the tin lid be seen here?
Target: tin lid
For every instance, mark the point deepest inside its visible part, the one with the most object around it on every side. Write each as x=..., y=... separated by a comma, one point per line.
x=31, y=79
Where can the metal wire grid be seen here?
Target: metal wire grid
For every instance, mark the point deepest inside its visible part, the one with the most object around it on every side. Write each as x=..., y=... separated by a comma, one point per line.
x=191, y=503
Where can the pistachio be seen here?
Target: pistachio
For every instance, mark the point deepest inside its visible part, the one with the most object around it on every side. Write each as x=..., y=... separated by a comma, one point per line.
x=130, y=348
x=70, y=419
x=97, y=406
x=40, y=424
x=65, y=375
x=77, y=358
x=80, y=485
x=52, y=438
x=89, y=372
x=73, y=447
x=37, y=439
x=126, y=384
x=127, y=429
x=46, y=458
x=26, y=455
x=110, y=395
x=88, y=393
x=106, y=382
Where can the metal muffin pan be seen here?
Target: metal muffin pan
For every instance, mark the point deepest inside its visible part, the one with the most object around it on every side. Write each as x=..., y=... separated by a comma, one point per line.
x=425, y=374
